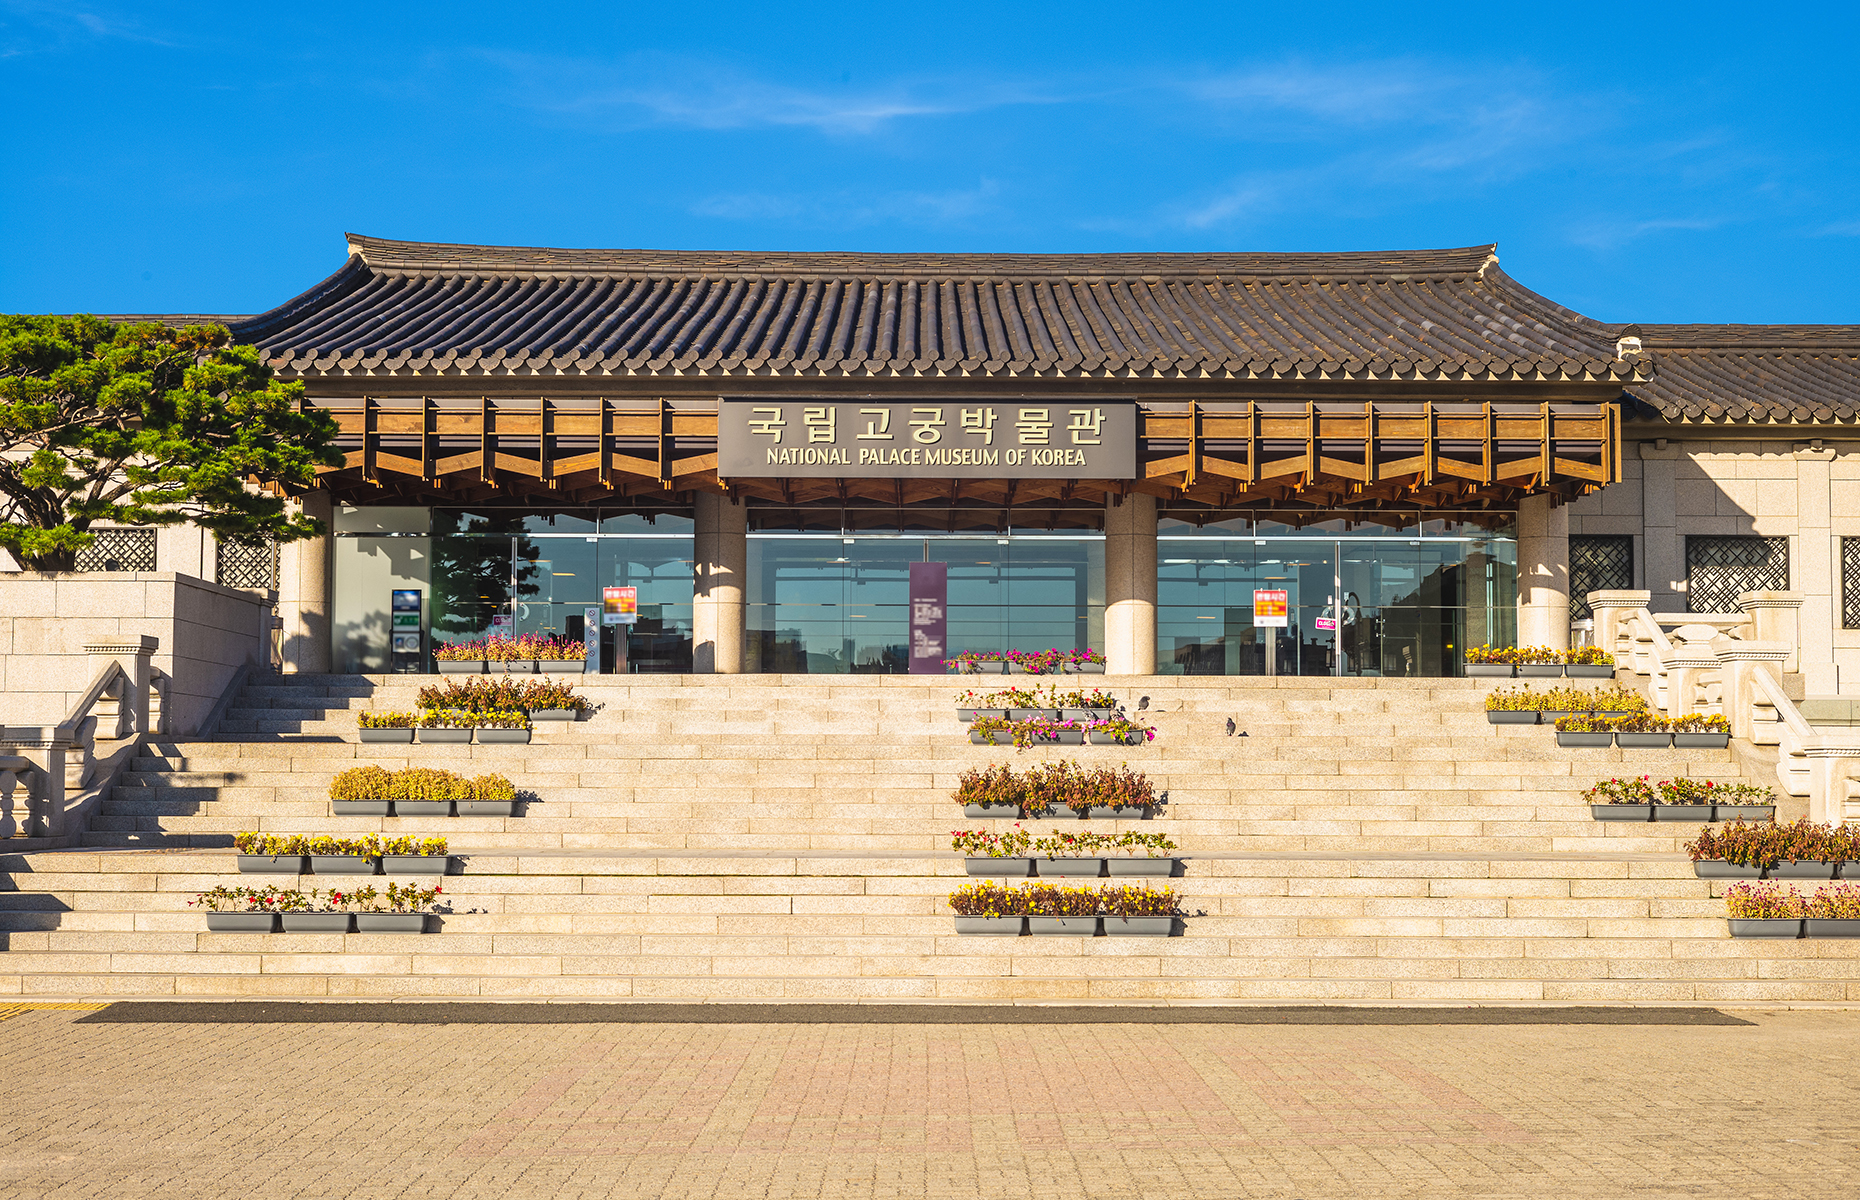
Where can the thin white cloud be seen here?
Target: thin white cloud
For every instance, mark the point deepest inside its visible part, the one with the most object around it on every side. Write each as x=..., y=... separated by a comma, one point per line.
x=1611, y=234
x=851, y=210
x=28, y=26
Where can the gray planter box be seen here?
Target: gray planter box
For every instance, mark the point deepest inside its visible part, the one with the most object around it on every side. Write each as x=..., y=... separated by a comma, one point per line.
x=445, y=737
x=242, y=922
x=487, y=808
x=966, y=715
x=1682, y=812
x=573, y=666
x=1508, y=716
x=306, y=922
x=998, y=867
x=1746, y=812
x=1540, y=670
x=1113, y=739
x=1087, y=714
x=1621, y=812
x=1807, y=868
x=998, y=926
x=988, y=668
x=996, y=811
x=1069, y=926
x=1488, y=671
x=1765, y=927
x=503, y=737
x=1831, y=927
x=384, y=735
x=1032, y=714
x=360, y=808
x=1589, y=670
x=266, y=864
x=1002, y=737
x=1717, y=868
x=422, y=808
x=522, y=666
x=415, y=864
x=1068, y=737
x=1071, y=868
x=460, y=668
x=1087, y=668
x=1701, y=741
x=1850, y=871
x=1139, y=926
x=390, y=922
x=1059, y=810
x=341, y=864
x=1152, y=867
x=1644, y=741
x=550, y=714
x=1580, y=740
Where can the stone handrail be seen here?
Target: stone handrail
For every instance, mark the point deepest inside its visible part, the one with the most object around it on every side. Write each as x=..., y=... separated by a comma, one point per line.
x=61, y=762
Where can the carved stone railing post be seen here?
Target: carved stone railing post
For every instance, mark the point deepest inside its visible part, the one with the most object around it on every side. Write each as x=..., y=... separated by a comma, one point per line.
x=13, y=792
x=1685, y=666
x=159, y=682
x=1738, y=661
x=1832, y=762
x=1609, y=608
x=45, y=747
x=1776, y=617
x=133, y=706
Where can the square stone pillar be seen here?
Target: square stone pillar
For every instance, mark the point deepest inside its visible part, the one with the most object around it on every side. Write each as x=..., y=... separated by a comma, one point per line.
x=1543, y=573
x=1608, y=607
x=306, y=592
x=132, y=707
x=1130, y=586
x=720, y=554
x=1777, y=617
x=1812, y=569
x=1664, y=565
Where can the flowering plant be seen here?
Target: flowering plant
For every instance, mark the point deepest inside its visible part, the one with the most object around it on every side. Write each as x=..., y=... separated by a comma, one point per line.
x=1536, y=655
x=1766, y=899
x=977, y=843
x=1700, y=723
x=448, y=718
x=478, y=693
x=268, y=845
x=1075, y=845
x=1503, y=656
x=1766, y=844
x=969, y=660
x=1619, y=791
x=1588, y=656
x=1122, y=727
x=1639, y=722
x=508, y=718
x=384, y=720
x=1138, y=900
x=989, y=899
x=991, y=785
x=472, y=651
x=1840, y=902
x=417, y=783
x=1061, y=900
x=236, y=899
x=1583, y=723
x=433, y=847
x=400, y=898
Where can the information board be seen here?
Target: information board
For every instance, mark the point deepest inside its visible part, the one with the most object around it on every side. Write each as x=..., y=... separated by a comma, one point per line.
x=929, y=617
x=1270, y=609
x=404, y=628
x=619, y=606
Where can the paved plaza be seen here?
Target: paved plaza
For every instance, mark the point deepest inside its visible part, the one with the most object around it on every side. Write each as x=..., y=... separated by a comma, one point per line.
x=1760, y=1107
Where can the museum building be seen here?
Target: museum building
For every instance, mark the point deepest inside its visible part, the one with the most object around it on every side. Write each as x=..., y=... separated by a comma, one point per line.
x=1114, y=451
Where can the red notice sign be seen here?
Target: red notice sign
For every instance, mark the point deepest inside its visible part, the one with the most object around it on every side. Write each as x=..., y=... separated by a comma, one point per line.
x=1270, y=608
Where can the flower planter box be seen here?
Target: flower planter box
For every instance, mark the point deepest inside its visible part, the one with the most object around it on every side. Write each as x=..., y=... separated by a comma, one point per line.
x=503, y=737
x=1765, y=927
x=1032, y=714
x=1745, y=812
x=360, y=808
x=1621, y=812
x=1701, y=741
x=1540, y=670
x=965, y=715
x=1015, y=669
x=1591, y=741
x=1644, y=741
x=1085, y=668
x=1087, y=714
x=550, y=714
x=1588, y=671
x=445, y=737
x=460, y=668
x=521, y=666
x=1071, y=868
x=246, y=922
x=1069, y=926
x=390, y=922
x=1000, y=737
x=268, y=864
x=998, y=867
x=341, y=864
x=1808, y=868
x=306, y=922
x=1009, y=811
x=573, y=666
x=997, y=926
x=1682, y=812
x=1152, y=867
x=1116, y=739
x=487, y=808
x=1067, y=737
x=1139, y=926
x=1717, y=868
x=1511, y=716
x=1831, y=927
x=422, y=808
x=1489, y=671
x=384, y=735
x=980, y=668
x=1057, y=810
x=415, y=864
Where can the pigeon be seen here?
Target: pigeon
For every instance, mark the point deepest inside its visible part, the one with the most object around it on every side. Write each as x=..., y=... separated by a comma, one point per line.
x=1143, y=702
x=1230, y=726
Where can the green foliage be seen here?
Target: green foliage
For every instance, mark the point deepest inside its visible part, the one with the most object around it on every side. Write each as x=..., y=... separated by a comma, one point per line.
x=1063, y=781
x=1619, y=791
x=978, y=843
x=1765, y=844
x=145, y=425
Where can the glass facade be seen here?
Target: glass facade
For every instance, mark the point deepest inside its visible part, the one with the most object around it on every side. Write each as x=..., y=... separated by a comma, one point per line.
x=839, y=604
x=1398, y=595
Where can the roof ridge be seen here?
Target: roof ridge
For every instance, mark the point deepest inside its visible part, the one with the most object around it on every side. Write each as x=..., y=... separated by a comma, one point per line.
x=1706, y=336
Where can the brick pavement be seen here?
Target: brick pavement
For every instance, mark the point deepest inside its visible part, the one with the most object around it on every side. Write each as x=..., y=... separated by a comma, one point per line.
x=372, y=1111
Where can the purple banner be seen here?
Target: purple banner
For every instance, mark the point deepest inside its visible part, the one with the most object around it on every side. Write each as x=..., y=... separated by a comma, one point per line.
x=929, y=617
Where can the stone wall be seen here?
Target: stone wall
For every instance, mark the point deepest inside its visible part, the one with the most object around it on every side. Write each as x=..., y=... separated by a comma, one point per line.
x=206, y=632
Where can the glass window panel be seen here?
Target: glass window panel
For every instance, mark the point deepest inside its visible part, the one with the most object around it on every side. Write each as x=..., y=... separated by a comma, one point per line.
x=367, y=571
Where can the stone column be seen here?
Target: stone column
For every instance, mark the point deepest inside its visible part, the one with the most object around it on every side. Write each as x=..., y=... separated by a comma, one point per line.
x=1543, y=573
x=1812, y=570
x=720, y=553
x=1777, y=617
x=1664, y=567
x=306, y=591
x=1130, y=586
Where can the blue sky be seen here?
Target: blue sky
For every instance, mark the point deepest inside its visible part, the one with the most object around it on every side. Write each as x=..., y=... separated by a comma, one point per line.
x=1654, y=163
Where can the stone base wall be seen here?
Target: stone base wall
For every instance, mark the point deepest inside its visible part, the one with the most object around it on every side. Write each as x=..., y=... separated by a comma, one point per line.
x=206, y=632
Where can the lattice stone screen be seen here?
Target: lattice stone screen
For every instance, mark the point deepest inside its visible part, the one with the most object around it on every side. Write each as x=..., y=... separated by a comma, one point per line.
x=118, y=550
x=1718, y=568
x=1598, y=563
x=1850, y=583
x=254, y=567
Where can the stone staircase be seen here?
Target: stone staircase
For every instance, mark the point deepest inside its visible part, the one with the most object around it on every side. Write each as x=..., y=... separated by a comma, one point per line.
x=786, y=837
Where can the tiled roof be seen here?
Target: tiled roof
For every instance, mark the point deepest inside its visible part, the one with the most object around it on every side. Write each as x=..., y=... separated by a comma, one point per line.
x=1804, y=373
x=418, y=308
